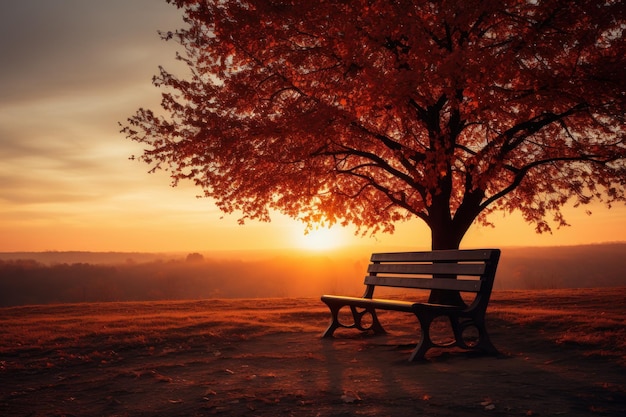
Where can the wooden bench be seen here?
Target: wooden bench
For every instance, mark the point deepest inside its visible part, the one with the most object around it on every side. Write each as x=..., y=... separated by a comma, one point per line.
x=466, y=271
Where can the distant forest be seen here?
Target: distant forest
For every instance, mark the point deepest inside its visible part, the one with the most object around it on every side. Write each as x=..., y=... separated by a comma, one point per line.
x=44, y=278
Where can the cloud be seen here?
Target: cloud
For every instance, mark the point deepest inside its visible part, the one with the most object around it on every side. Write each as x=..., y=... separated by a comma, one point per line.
x=53, y=48
x=71, y=70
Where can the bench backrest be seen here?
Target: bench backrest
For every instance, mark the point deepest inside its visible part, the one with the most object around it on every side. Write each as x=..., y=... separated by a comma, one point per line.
x=473, y=269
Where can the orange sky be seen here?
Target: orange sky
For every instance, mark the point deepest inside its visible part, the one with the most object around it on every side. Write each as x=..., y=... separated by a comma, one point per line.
x=70, y=71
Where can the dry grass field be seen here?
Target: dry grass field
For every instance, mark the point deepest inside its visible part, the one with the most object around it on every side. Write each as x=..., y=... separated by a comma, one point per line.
x=563, y=352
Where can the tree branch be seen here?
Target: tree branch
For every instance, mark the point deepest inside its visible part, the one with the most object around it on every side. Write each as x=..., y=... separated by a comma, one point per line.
x=522, y=172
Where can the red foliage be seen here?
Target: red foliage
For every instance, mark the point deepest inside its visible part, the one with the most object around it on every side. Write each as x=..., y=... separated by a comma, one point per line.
x=371, y=112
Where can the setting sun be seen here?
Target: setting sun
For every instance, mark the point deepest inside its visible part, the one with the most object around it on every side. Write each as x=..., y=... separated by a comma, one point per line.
x=320, y=239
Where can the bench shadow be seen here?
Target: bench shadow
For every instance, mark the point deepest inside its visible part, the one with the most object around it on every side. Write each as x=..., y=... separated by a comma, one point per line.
x=530, y=376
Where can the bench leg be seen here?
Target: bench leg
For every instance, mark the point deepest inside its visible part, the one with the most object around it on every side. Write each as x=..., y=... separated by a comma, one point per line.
x=425, y=342
x=357, y=317
x=483, y=344
x=334, y=320
x=376, y=327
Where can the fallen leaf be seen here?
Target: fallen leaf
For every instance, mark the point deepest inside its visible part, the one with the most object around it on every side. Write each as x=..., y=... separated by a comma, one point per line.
x=350, y=397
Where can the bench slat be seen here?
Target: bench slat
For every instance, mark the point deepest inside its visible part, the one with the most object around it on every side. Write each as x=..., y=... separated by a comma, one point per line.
x=426, y=283
x=428, y=269
x=437, y=255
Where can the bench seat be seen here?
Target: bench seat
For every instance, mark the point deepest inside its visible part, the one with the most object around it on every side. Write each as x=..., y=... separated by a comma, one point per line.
x=383, y=304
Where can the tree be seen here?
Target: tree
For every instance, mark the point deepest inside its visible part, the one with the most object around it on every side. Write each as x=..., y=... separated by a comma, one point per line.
x=373, y=112
x=194, y=258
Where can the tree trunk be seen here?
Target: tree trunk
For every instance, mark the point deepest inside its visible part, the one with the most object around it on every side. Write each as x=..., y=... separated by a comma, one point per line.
x=447, y=233
x=444, y=238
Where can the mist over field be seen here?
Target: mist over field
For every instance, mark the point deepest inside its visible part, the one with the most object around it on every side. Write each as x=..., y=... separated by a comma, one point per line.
x=71, y=277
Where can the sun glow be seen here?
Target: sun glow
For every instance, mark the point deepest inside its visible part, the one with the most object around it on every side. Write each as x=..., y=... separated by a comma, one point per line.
x=320, y=239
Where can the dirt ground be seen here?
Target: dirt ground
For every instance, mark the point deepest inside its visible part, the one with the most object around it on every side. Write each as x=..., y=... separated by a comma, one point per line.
x=562, y=353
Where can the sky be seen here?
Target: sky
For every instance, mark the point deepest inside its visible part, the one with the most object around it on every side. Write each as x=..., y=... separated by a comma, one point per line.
x=70, y=70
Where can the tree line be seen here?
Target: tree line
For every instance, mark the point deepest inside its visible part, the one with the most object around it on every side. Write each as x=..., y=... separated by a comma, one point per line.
x=27, y=281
